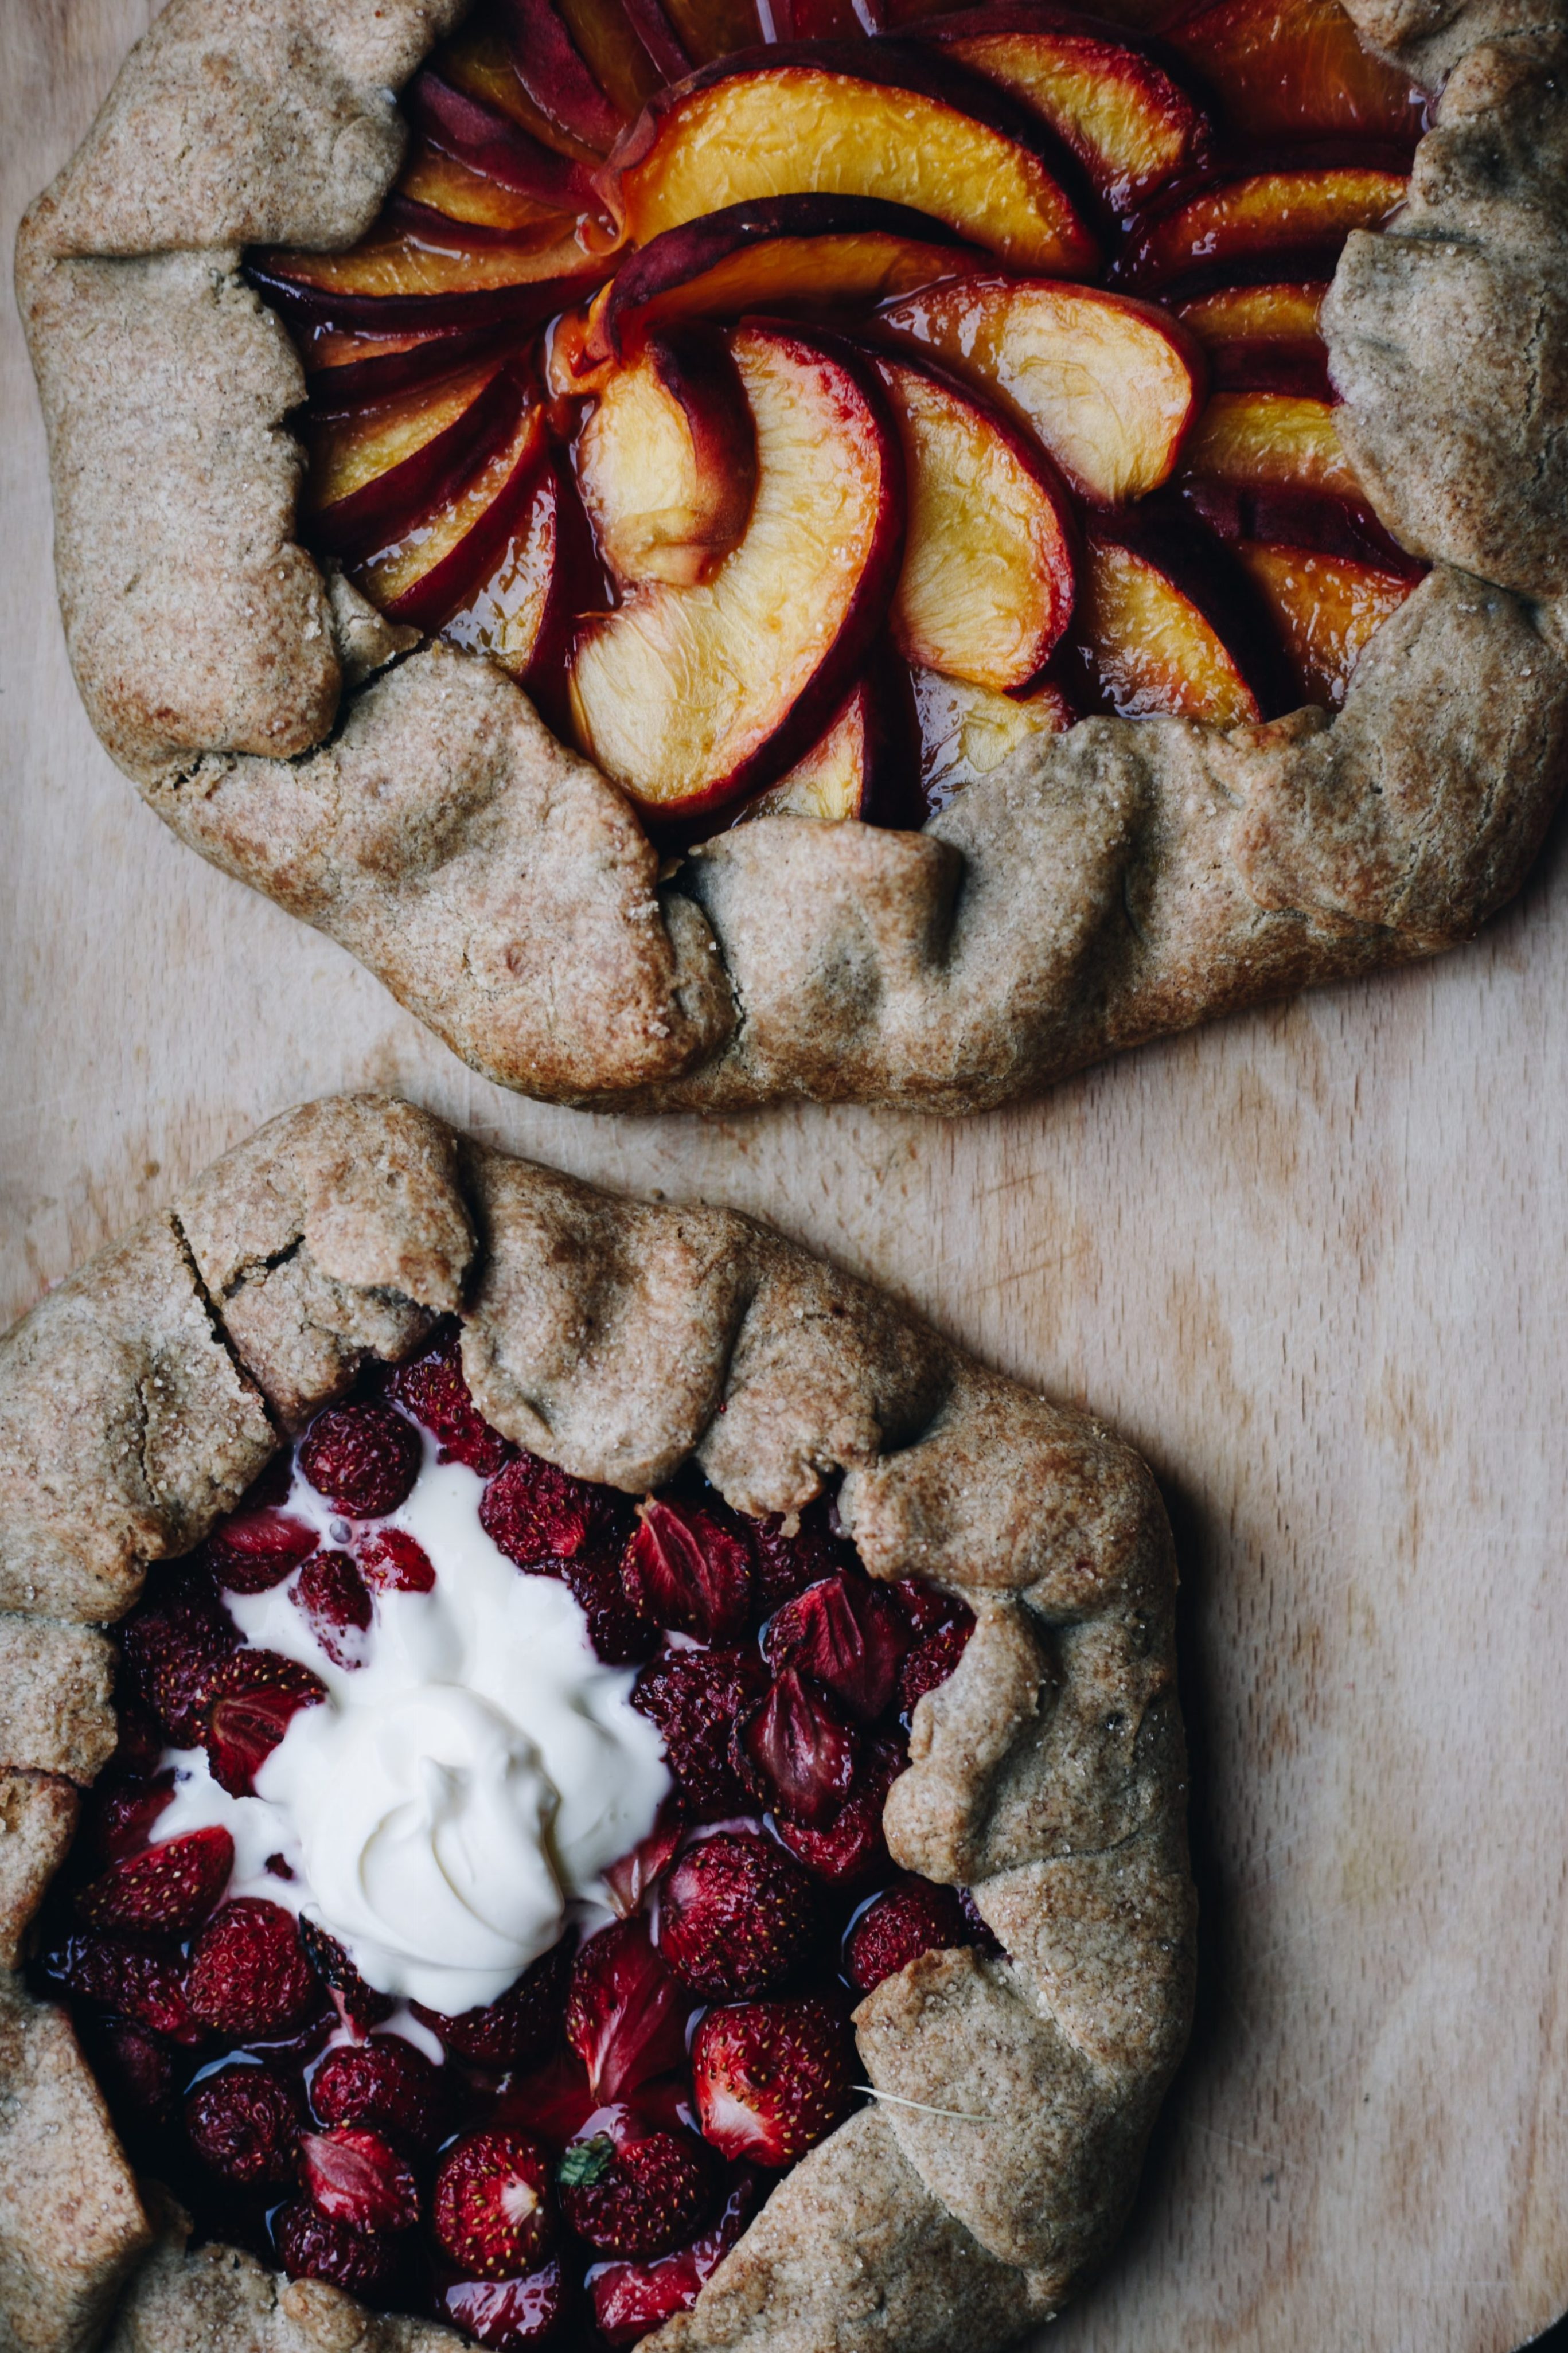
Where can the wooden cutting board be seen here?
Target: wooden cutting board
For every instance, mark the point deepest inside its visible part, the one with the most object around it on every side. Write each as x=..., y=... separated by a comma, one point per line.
x=1311, y=1261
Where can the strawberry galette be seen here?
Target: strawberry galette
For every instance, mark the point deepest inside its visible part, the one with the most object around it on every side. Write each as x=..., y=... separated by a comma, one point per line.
x=1089, y=500
x=632, y=1792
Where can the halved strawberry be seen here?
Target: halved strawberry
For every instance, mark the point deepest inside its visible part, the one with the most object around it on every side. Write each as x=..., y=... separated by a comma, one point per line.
x=254, y=1697
x=515, y=2028
x=849, y=1634
x=851, y=1847
x=357, y=2003
x=927, y=1607
x=251, y=1551
x=123, y=1973
x=539, y=1514
x=249, y=1975
x=509, y=2313
x=635, y=2194
x=390, y=1561
x=797, y=1751
x=696, y=1697
x=242, y=2121
x=620, y=1637
x=784, y=1564
x=915, y=1917
x=736, y=1917
x=490, y=2208
x=357, y=2176
x=629, y=1881
x=629, y=2299
x=433, y=1389
x=334, y=1602
x=383, y=2083
x=683, y=1569
x=170, y=1888
x=931, y=1661
x=119, y=1817
x=364, y=1459
x=551, y=2104
x=626, y=2018
x=772, y=2078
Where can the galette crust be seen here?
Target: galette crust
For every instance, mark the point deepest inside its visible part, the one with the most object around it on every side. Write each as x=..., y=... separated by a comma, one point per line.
x=619, y=1339
x=1096, y=891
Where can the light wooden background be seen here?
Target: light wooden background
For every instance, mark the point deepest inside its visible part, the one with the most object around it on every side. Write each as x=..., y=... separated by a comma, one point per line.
x=1312, y=1262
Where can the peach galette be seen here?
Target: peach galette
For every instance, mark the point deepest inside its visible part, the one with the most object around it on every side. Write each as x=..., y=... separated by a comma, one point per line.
x=1101, y=469
x=720, y=1880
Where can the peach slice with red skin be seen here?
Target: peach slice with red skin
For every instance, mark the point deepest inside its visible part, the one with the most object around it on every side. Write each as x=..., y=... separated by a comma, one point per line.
x=1129, y=125
x=711, y=29
x=1109, y=386
x=524, y=615
x=348, y=370
x=614, y=56
x=1160, y=632
x=967, y=731
x=440, y=183
x=691, y=696
x=880, y=120
x=1326, y=607
x=986, y=589
x=489, y=141
x=861, y=766
x=1270, y=466
x=423, y=577
x=1262, y=338
x=1297, y=69
x=558, y=78
x=373, y=474
x=393, y=282
x=667, y=461
x=1257, y=216
x=484, y=65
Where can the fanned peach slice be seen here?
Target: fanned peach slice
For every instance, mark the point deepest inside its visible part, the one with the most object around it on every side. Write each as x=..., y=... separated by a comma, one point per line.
x=652, y=25
x=422, y=577
x=776, y=255
x=844, y=775
x=877, y=120
x=524, y=613
x=1109, y=386
x=396, y=282
x=689, y=697
x=350, y=371
x=1157, y=640
x=480, y=135
x=440, y=183
x=1296, y=69
x=482, y=64
x=667, y=461
x=1130, y=126
x=1325, y=608
x=558, y=78
x=711, y=29
x=827, y=20
x=1258, y=215
x=1262, y=338
x=986, y=588
x=966, y=731
x=373, y=475
x=1270, y=440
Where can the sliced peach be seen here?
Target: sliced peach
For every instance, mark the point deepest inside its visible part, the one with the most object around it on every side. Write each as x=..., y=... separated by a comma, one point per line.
x=827, y=20
x=1130, y=126
x=422, y=577
x=480, y=135
x=841, y=776
x=1310, y=210
x=1293, y=69
x=441, y=184
x=1262, y=338
x=785, y=252
x=876, y=120
x=525, y=614
x=667, y=461
x=1110, y=385
x=986, y=588
x=348, y=370
x=373, y=475
x=966, y=731
x=651, y=24
x=483, y=65
x=1325, y=608
x=1159, y=640
x=1273, y=441
x=690, y=697
x=557, y=77
x=392, y=282
x=614, y=56
x=710, y=29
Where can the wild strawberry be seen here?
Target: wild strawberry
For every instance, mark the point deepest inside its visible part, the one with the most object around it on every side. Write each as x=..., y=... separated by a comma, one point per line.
x=249, y=1975
x=684, y=1569
x=358, y=2003
x=136, y=2071
x=797, y=1751
x=119, y=1817
x=619, y=1638
x=385, y=2084
x=170, y=1888
x=356, y=2177
x=489, y=2210
x=141, y=1983
x=173, y=1644
x=364, y=1459
x=927, y=1607
x=391, y=1562
x=847, y=1634
x=772, y=2078
x=642, y=2195
x=252, y=1550
x=255, y=1697
x=629, y=2299
x=629, y=1881
x=242, y=2123
x=433, y=1389
x=850, y=1846
x=310, y=2245
x=538, y=1514
x=625, y=2017
x=913, y=1918
x=694, y=1698
x=514, y=2030
x=932, y=1661
x=334, y=1602
x=737, y=1915
x=784, y=1565
x=508, y=2314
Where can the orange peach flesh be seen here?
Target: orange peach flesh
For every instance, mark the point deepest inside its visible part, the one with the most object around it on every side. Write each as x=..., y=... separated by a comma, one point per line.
x=1256, y=441
x=1125, y=119
x=1254, y=314
x=1268, y=210
x=396, y=571
x=477, y=63
x=396, y=266
x=349, y=453
x=829, y=784
x=1298, y=66
x=471, y=198
x=967, y=731
x=1326, y=608
x=667, y=501
x=1152, y=652
x=504, y=616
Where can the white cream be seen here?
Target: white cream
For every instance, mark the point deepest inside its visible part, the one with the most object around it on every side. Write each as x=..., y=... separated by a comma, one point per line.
x=456, y=1792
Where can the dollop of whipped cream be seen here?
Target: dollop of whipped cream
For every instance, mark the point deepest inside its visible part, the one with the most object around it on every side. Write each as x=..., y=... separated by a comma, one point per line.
x=463, y=1788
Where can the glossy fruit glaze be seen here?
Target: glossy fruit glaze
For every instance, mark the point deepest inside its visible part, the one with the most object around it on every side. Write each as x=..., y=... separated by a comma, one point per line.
x=1043, y=295
x=565, y=2164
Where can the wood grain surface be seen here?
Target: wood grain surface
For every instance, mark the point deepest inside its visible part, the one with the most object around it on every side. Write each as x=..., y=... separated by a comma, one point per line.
x=1311, y=1261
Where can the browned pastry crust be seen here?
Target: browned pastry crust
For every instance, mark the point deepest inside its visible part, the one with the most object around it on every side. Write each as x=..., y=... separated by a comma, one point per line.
x=1099, y=889
x=619, y=1339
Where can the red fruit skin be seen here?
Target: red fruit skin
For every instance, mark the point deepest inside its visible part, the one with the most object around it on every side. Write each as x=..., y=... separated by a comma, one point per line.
x=772, y=2078
x=357, y=2176
x=654, y=2192
x=168, y=1889
x=173, y=1645
x=364, y=1459
x=927, y=1607
x=849, y=1635
x=797, y=1752
x=630, y=2299
x=518, y=2027
x=253, y=1550
x=248, y=1973
x=619, y=1638
x=490, y=2208
x=142, y=1984
x=509, y=2313
x=136, y=2071
x=684, y=1570
x=694, y=1698
x=310, y=2245
x=139, y=1744
x=384, y=2084
x=254, y=1697
x=626, y=2018
x=335, y=1602
x=432, y=1388
x=540, y=1516
x=851, y=1847
x=631, y=1879
x=931, y=1661
x=737, y=1914
x=119, y=1817
x=784, y=1565
x=242, y=2123
x=915, y=1918
x=357, y=2001
x=551, y=2104
x=390, y=1561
